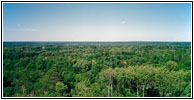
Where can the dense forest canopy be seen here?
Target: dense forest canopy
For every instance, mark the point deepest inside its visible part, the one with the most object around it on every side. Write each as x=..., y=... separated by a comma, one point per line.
x=96, y=69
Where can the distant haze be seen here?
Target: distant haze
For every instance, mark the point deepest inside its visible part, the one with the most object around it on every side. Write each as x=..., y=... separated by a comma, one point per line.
x=97, y=21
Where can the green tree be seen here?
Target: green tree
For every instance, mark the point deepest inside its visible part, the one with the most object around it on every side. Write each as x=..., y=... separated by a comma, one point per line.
x=60, y=89
x=50, y=79
x=82, y=89
x=171, y=65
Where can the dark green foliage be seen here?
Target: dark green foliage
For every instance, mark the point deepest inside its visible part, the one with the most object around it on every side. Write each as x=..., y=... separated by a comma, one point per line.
x=92, y=69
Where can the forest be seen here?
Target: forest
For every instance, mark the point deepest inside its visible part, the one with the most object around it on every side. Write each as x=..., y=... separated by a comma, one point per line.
x=96, y=69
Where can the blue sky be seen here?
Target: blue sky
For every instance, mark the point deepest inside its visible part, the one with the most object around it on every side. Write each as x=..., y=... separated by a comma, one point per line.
x=96, y=21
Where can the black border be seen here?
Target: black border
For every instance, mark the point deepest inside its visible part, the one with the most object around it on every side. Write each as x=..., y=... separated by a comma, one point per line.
x=94, y=97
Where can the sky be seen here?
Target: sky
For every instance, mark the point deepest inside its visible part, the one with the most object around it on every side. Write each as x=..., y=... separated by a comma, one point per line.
x=96, y=22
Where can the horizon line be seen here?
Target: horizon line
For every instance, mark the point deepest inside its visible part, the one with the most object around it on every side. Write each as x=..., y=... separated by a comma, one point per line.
x=96, y=41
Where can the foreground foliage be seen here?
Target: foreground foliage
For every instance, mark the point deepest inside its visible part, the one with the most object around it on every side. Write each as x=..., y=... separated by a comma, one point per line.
x=138, y=69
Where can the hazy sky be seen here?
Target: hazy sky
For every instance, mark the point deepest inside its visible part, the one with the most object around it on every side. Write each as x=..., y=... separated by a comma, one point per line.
x=97, y=22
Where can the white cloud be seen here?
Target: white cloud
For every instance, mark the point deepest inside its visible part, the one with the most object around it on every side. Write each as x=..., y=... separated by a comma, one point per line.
x=20, y=28
x=18, y=25
x=27, y=30
x=124, y=22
